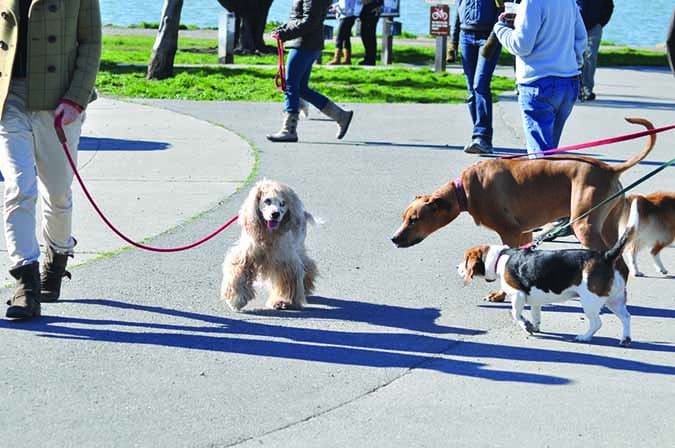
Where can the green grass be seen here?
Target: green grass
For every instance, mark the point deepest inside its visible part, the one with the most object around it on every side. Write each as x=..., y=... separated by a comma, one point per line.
x=198, y=77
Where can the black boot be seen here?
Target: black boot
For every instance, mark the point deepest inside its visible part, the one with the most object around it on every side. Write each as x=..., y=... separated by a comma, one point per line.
x=53, y=271
x=25, y=303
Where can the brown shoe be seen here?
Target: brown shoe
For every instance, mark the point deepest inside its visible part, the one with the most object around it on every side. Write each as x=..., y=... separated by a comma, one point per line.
x=53, y=271
x=25, y=304
x=337, y=58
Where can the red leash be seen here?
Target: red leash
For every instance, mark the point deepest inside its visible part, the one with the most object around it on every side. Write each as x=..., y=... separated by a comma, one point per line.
x=280, y=76
x=601, y=142
x=58, y=126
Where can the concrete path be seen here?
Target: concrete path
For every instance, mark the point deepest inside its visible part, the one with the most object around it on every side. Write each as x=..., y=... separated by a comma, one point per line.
x=392, y=350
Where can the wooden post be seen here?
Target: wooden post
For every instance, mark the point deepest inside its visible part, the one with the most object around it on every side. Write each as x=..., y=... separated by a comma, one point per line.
x=166, y=43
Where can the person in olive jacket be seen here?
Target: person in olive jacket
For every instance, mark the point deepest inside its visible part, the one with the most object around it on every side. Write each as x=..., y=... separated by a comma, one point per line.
x=49, y=58
x=303, y=34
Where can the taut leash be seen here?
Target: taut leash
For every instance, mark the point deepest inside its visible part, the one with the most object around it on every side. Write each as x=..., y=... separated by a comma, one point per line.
x=280, y=76
x=594, y=143
x=58, y=126
x=554, y=231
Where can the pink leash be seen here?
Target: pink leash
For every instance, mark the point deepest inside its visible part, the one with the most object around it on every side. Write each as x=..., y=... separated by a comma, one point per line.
x=58, y=126
x=601, y=142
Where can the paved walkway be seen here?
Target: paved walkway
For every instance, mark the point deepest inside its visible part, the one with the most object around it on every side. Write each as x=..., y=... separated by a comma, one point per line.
x=392, y=351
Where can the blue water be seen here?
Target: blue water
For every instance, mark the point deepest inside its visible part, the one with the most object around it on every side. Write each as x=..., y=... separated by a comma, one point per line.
x=635, y=22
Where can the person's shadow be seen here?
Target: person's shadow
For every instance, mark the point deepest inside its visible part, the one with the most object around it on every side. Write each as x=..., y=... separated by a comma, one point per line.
x=419, y=346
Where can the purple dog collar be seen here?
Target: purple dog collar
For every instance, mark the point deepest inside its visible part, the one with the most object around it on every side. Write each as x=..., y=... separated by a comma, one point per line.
x=460, y=193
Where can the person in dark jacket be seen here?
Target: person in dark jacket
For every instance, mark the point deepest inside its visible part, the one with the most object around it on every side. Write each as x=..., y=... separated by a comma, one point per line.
x=596, y=14
x=477, y=17
x=303, y=34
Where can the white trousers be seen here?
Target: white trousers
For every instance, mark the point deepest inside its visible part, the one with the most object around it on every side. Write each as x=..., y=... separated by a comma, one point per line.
x=33, y=164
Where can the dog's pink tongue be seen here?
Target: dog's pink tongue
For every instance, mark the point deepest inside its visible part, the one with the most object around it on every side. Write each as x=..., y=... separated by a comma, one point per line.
x=272, y=224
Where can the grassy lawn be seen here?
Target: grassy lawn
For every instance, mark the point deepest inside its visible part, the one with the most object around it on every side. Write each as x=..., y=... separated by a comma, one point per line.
x=198, y=77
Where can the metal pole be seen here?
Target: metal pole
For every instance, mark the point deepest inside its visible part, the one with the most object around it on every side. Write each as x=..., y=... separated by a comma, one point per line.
x=441, y=48
x=226, y=25
x=387, y=40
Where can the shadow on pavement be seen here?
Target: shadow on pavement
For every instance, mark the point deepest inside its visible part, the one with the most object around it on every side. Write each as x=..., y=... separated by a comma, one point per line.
x=605, y=101
x=397, y=350
x=115, y=144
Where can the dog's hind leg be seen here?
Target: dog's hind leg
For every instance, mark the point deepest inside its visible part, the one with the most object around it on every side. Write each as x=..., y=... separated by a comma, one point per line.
x=617, y=305
x=535, y=312
x=592, y=306
x=236, y=287
x=311, y=273
x=517, y=305
x=658, y=264
x=630, y=257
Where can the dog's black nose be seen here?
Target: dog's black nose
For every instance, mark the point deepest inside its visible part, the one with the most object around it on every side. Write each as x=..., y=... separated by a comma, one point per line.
x=275, y=215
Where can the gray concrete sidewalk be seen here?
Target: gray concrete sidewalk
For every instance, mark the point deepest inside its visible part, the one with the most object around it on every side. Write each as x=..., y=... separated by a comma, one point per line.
x=392, y=351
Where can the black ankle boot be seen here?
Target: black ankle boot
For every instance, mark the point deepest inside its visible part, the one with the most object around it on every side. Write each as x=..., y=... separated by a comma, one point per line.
x=53, y=271
x=25, y=303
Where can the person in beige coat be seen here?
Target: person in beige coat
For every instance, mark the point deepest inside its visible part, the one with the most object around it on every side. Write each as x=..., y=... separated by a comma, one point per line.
x=49, y=57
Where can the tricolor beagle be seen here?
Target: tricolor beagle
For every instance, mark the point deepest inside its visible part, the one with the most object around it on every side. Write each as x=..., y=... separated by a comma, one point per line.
x=539, y=277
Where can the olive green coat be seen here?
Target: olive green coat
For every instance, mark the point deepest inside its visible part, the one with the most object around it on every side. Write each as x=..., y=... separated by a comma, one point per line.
x=64, y=50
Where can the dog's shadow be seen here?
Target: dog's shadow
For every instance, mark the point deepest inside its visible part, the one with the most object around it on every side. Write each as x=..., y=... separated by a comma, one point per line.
x=634, y=310
x=139, y=324
x=413, y=319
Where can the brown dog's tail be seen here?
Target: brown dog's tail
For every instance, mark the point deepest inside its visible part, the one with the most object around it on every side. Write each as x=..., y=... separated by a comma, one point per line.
x=637, y=158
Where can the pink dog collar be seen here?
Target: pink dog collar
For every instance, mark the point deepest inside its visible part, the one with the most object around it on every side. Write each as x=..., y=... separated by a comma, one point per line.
x=460, y=193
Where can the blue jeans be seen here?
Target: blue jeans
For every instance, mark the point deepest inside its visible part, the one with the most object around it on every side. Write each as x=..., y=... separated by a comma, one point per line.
x=591, y=59
x=545, y=105
x=478, y=71
x=298, y=69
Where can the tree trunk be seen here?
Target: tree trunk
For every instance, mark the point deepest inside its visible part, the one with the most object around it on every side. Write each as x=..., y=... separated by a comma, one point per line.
x=252, y=15
x=166, y=43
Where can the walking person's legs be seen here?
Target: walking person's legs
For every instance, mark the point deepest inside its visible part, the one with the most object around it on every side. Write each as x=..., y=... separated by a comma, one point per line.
x=55, y=180
x=298, y=62
x=369, y=18
x=539, y=115
x=346, y=29
x=590, y=63
x=482, y=125
x=566, y=95
x=342, y=117
x=17, y=164
x=339, y=43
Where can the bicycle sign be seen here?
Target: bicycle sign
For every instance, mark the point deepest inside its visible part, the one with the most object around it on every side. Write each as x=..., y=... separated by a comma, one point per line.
x=439, y=20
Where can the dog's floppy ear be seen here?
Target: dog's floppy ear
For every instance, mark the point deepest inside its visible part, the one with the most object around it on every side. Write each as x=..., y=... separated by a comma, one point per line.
x=295, y=214
x=249, y=215
x=473, y=265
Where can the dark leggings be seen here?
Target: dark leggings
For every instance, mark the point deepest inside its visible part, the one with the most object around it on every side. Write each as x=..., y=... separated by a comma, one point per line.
x=344, y=33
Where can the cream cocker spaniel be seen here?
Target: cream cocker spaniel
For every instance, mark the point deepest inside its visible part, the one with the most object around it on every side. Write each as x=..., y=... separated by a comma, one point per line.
x=271, y=248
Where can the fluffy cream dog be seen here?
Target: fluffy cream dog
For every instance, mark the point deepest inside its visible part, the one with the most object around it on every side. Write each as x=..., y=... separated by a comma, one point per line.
x=271, y=248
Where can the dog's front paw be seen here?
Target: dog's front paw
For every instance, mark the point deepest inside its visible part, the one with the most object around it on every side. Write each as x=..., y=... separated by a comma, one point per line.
x=235, y=304
x=280, y=304
x=496, y=296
